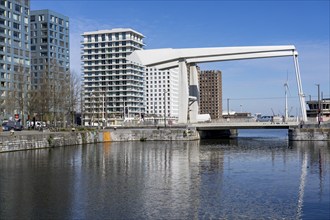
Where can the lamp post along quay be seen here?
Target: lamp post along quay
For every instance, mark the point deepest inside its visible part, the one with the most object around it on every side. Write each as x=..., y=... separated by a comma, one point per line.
x=319, y=104
x=165, y=108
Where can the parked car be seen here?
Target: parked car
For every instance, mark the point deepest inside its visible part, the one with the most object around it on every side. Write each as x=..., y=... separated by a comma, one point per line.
x=12, y=125
x=265, y=118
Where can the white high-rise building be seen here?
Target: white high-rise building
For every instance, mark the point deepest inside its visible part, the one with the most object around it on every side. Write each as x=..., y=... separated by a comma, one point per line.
x=160, y=86
x=113, y=87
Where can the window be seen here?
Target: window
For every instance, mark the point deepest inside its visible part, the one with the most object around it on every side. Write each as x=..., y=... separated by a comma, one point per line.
x=18, y=8
x=41, y=17
x=16, y=17
x=16, y=34
x=16, y=25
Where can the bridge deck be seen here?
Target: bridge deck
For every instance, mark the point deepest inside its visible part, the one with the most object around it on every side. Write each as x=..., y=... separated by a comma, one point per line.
x=244, y=125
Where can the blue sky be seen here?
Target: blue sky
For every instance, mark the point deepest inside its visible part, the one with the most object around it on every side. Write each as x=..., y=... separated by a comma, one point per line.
x=251, y=85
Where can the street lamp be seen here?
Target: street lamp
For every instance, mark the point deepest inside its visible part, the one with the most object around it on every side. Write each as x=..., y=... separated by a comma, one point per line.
x=228, y=107
x=165, y=108
x=91, y=96
x=319, y=103
x=103, y=111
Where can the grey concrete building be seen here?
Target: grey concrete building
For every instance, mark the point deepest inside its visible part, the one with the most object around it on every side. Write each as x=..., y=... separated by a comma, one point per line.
x=14, y=57
x=49, y=44
x=50, y=65
x=113, y=87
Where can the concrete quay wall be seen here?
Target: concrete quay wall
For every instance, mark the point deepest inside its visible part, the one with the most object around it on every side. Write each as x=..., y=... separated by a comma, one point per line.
x=309, y=134
x=36, y=140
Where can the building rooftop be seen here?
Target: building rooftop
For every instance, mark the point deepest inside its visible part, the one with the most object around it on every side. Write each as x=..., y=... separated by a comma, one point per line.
x=114, y=30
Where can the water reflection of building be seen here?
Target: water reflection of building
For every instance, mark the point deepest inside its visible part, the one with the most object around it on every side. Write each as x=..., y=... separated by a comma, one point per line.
x=155, y=175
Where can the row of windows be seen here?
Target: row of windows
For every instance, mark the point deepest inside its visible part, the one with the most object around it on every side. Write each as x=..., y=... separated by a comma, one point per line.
x=103, y=56
x=155, y=82
x=159, y=77
x=109, y=50
x=51, y=48
x=17, y=8
x=160, y=99
x=53, y=19
x=157, y=107
x=316, y=106
x=50, y=40
x=156, y=73
x=159, y=90
x=14, y=42
x=155, y=94
x=156, y=86
x=16, y=26
x=16, y=17
x=51, y=34
x=113, y=72
x=123, y=43
x=115, y=36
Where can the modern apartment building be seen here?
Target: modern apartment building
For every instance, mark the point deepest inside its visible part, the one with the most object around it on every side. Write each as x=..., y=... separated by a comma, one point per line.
x=113, y=87
x=14, y=57
x=50, y=65
x=162, y=92
x=210, y=85
x=50, y=49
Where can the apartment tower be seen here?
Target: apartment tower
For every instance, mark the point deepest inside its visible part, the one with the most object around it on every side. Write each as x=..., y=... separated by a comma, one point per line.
x=113, y=87
x=210, y=84
x=50, y=63
x=162, y=92
x=49, y=44
x=14, y=57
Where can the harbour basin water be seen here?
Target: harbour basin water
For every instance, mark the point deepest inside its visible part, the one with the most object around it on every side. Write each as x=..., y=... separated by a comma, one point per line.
x=260, y=175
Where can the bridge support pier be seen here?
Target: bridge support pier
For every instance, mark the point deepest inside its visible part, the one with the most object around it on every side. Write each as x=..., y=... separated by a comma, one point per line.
x=193, y=92
x=184, y=93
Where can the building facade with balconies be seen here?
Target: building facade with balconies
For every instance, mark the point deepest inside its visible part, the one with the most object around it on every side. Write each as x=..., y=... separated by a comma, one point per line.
x=14, y=57
x=112, y=86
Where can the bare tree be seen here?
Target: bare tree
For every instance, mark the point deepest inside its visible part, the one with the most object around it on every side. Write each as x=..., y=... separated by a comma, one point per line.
x=16, y=95
x=72, y=89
